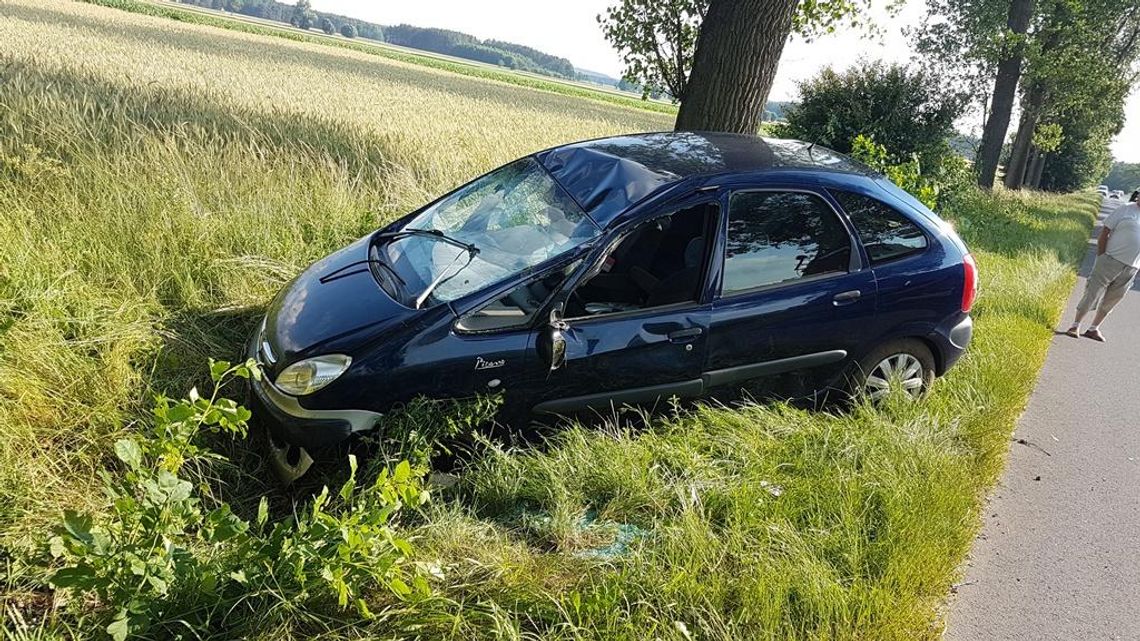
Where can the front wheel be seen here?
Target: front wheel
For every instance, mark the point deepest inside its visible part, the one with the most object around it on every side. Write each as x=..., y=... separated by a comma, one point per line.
x=901, y=365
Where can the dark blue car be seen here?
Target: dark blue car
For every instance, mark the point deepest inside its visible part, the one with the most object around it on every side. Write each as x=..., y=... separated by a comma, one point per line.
x=622, y=270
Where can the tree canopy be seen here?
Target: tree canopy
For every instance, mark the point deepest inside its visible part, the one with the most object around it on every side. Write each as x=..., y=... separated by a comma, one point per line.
x=1079, y=58
x=658, y=38
x=303, y=15
x=907, y=111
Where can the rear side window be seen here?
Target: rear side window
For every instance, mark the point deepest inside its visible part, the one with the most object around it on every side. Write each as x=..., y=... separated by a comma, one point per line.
x=779, y=237
x=886, y=234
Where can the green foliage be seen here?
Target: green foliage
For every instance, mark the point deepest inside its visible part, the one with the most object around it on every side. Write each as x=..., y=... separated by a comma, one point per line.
x=303, y=16
x=905, y=111
x=158, y=547
x=344, y=545
x=327, y=26
x=1082, y=157
x=132, y=558
x=348, y=31
x=1124, y=176
x=907, y=175
x=495, y=52
x=1078, y=76
x=424, y=427
x=962, y=42
x=657, y=41
x=818, y=17
x=1047, y=137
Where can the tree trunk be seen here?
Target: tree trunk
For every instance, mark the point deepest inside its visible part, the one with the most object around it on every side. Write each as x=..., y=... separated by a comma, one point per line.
x=1037, y=169
x=1030, y=165
x=1005, y=90
x=1019, y=155
x=735, y=63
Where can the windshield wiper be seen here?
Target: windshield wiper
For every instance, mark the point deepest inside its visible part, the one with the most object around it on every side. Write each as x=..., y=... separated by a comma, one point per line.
x=428, y=233
x=443, y=277
x=340, y=271
x=438, y=235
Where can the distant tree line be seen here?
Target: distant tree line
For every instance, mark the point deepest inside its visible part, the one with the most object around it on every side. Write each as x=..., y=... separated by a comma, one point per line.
x=496, y=52
x=1124, y=176
x=299, y=15
x=452, y=43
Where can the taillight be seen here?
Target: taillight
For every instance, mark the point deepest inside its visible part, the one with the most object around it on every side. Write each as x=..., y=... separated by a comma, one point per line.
x=969, y=283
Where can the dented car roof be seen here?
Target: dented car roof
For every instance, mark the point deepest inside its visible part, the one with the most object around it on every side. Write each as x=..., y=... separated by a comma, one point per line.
x=608, y=175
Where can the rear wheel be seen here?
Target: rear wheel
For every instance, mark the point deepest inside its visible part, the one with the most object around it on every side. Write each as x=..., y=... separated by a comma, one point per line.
x=897, y=366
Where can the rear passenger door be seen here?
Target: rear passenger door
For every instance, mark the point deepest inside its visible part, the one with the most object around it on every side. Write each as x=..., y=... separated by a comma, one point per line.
x=912, y=291
x=794, y=293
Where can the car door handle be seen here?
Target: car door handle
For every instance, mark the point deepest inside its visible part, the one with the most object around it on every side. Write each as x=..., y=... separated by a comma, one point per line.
x=685, y=335
x=846, y=298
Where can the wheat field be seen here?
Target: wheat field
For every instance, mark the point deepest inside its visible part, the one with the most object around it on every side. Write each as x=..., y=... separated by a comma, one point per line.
x=161, y=180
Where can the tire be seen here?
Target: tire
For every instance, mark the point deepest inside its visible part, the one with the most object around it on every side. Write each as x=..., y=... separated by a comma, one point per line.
x=874, y=376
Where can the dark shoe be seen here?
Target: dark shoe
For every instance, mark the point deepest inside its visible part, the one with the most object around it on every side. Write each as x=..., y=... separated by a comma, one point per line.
x=1095, y=335
x=1072, y=332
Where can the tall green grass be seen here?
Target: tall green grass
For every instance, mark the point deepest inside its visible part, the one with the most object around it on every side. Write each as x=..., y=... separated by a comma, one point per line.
x=147, y=215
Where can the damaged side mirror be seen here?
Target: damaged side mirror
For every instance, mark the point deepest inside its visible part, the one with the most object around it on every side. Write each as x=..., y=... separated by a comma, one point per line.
x=551, y=342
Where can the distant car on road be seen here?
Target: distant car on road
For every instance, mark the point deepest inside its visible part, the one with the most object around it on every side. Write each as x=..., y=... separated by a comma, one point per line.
x=622, y=270
x=1116, y=195
x=1102, y=190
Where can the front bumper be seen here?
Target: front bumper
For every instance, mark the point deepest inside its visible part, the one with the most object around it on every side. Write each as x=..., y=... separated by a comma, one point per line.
x=293, y=424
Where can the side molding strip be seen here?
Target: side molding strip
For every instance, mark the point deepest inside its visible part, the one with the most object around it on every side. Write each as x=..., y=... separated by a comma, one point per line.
x=694, y=387
x=621, y=397
x=729, y=375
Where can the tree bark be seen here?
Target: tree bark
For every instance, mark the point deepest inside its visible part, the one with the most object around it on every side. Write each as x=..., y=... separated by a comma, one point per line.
x=1005, y=90
x=735, y=63
x=1036, y=169
x=1019, y=155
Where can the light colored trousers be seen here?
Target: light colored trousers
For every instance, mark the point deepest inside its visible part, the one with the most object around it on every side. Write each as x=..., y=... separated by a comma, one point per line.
x=1107, y=285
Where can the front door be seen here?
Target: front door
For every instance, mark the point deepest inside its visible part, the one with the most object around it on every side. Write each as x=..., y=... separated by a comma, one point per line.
x=795, y=303
x=637, y=328
x=629, y=358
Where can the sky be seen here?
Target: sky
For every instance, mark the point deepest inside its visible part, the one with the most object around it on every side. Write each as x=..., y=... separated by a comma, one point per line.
x=570, y=30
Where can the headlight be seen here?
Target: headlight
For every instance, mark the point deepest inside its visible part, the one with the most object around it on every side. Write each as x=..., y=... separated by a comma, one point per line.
x=307, y=376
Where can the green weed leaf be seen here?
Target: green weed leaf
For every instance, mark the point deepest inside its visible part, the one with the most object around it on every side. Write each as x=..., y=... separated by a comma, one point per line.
x=78, y=526
x=79, y=577
x=129, y=452
x=120, y=628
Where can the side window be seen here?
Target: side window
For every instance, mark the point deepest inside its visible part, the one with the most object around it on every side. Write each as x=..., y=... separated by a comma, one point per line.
x=662, y=262
x=518, y=307
x=886, y=234
x=780, y=237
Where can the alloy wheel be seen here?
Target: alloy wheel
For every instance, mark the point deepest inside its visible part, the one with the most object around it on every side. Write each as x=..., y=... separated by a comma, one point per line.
x=896, y=372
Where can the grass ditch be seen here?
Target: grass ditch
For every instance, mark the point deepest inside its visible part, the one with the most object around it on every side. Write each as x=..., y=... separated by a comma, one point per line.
x=146, y=222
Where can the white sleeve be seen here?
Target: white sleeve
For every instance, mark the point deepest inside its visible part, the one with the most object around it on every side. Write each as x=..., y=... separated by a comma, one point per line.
x=1114, y=218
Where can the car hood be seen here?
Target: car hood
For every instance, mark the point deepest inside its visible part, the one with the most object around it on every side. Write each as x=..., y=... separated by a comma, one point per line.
x=309, y=316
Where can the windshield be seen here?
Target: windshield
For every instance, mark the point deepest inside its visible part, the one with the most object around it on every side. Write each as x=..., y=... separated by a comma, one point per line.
x=514, y=217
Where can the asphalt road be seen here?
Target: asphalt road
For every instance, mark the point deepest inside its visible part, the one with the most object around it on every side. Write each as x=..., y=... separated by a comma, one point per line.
x=1059, y=552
